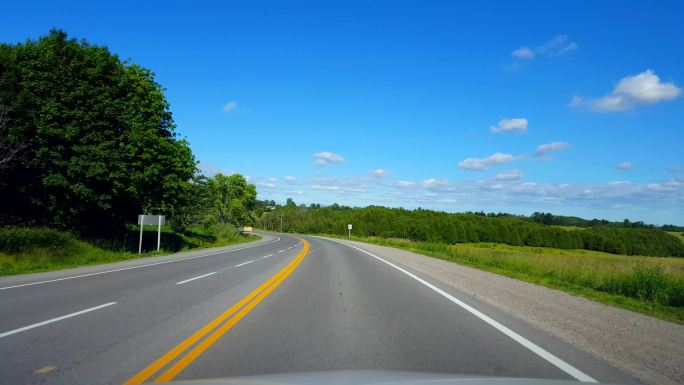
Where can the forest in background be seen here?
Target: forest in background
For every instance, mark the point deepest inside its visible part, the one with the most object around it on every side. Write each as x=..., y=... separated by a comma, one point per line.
x=451, y=228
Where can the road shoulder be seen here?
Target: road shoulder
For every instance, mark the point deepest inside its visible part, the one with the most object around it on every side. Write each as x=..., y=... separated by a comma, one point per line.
x=648, y=348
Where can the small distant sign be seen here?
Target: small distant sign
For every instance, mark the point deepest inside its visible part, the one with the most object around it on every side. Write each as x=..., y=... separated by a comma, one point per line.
x=349, y=226
x=151, y=220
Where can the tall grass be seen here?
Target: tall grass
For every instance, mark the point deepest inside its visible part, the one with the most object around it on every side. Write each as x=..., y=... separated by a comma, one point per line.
x=651, y=285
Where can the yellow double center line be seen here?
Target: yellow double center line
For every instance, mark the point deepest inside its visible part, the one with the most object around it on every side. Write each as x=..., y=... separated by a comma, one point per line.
x=217, y=327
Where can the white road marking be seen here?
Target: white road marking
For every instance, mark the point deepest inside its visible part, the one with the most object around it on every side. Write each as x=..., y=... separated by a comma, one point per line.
x=266, y=256
x=281, y=251
x=192, y=279
x=243, y=263
x=135, y=267
x=560, y=364
x=25, y=328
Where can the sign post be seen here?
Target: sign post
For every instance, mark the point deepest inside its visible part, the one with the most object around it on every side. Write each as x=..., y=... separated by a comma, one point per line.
x=349, y=227
x=143, y=220
x=159, y=232
x=140, y=243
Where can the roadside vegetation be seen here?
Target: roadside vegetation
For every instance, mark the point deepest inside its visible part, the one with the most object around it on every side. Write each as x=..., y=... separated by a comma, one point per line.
x=30, y=250
x=649, y=285
x=453, y=228
x=87, y=143
x=638, y=267
x=677, y=234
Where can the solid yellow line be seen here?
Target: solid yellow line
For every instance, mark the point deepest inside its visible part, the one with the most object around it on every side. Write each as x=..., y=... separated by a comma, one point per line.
x=181, y=364
x=162, y=361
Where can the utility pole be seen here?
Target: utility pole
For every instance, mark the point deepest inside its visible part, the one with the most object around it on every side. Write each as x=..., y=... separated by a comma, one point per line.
x=281, y=223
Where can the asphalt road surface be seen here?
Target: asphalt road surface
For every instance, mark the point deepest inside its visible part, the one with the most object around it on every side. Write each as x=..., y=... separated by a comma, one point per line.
x=282, y=304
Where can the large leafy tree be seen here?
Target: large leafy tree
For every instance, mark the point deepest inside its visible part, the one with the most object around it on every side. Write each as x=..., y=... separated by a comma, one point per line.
x=231, y=199
x=99, y=141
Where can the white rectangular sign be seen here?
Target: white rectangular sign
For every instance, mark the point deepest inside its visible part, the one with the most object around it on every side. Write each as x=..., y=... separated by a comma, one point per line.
x=349, y=227
x=151, y=220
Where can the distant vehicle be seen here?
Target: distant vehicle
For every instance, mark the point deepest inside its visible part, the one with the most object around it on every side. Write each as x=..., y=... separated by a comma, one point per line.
x=247, y=230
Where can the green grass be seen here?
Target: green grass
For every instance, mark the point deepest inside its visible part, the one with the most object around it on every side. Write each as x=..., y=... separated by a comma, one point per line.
x=649, y=285
x=30, y=250
x=677, y=234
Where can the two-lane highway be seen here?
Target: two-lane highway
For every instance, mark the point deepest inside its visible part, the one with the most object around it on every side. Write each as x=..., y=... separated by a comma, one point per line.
x=286, y=304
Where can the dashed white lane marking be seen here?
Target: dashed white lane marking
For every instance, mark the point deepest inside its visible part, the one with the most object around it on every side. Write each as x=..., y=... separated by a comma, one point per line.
x=192, y=279
x=243, y=263
x=25, y=328
x=136, y=267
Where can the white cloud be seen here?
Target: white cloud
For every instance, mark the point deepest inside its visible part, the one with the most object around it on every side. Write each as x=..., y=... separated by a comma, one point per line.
x=552, y=147
x=230, y=106
x=558, y=46
x=487, y=162
x=523, y=53
x=379, y=173
x=510, y=125
x=289, y=179
x=326, y=188
x=568, y=48
x=509, y=175
x=624, y=166
x=325, y=157
x=405, y=184
x=438, y=185
x=335, y=188
x=631, y=92
x=267, y=184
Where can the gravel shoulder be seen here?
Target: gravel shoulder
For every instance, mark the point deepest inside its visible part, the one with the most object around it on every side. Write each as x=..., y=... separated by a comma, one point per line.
x=650, y=349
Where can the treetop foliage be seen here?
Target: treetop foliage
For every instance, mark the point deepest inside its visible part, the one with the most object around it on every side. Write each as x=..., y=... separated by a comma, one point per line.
x=99, y=139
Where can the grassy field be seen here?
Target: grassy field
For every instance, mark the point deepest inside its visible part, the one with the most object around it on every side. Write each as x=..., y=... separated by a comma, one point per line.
x=29, y=250
x=677, y=234
x=650, y=285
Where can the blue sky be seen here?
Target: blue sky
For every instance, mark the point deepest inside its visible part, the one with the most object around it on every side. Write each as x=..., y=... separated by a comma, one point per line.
x=570, y=107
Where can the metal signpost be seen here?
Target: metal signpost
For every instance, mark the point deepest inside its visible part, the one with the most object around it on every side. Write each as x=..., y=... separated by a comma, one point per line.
x=349, y=227
x=158, y=220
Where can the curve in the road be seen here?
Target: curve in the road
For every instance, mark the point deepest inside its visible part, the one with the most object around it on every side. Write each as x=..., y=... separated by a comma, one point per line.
x=217, y=327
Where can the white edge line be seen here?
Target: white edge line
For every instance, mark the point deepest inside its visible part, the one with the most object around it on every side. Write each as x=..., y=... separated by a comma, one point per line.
x=25, y=328
x=243, y=263
x=192, y=279
x=560, y=364
x=135, y=267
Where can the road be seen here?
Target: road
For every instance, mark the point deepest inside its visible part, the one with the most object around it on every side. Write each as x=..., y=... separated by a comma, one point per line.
x=282, y=304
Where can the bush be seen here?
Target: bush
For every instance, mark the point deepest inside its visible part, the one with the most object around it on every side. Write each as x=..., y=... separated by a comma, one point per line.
x=17, y=239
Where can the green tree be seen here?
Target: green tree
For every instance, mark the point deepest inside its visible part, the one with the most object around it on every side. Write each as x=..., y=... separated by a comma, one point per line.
x=100, y=142
x=231, y=199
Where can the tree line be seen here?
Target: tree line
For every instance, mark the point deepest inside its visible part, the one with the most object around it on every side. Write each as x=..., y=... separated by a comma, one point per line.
x=434, y=226
x=562, y=220
x=88, y=142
